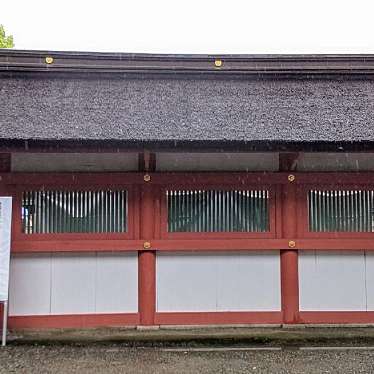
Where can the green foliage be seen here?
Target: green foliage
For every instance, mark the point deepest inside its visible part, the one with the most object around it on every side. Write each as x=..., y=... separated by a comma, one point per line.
x=5, y=41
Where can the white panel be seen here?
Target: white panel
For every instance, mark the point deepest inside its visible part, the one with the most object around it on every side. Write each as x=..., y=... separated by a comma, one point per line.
x=249, y=282
x=370, y=279
x=186, y=282
x=332, y=281
x=117, y=283
x=74, y=162
x=30, y=285
x=217, y=161
x=335, y=162
x=218, y=282
x=73, y=283
x=68, y=283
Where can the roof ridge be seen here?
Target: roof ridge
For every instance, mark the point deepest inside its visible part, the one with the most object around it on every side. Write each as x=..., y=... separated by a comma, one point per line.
x=61, y=61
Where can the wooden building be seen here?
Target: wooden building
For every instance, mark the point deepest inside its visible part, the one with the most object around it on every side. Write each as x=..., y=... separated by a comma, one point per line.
x=188, y=189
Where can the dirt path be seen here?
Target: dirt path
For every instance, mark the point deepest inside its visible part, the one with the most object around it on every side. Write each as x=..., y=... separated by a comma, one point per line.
x=119, y=359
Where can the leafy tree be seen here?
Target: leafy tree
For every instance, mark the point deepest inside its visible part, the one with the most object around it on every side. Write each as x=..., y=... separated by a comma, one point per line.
x=5, y=41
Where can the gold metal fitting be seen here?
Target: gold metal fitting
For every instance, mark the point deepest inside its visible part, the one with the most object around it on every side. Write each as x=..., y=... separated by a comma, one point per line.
x=291, y=178
x=147, y=178
x=49, y=60
x=291, y=244
x=146, y=245
x=218, y=63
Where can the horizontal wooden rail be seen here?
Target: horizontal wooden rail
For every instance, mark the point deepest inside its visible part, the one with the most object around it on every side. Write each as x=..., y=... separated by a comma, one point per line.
x=73, y=320
x=30, y=246
x=336, y=317
x=191, y=245
x=208, y=318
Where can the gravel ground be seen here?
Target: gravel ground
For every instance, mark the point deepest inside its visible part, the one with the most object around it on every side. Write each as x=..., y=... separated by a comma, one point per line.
x=119, y=359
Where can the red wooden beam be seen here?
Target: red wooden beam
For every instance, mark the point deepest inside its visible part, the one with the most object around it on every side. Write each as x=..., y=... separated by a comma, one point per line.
x=3, y=192
x=222, y=318
x=335, y=179
x=218, y=179
x=82, y=180
x=73, y=321
x=147, y=258
x=201, y=244
x=1, y=316
x=289, y=257
x=126, y=178
x=338, y=317
x=342, y=243
x=189, y=179
x=198, y=245
x=64, y=245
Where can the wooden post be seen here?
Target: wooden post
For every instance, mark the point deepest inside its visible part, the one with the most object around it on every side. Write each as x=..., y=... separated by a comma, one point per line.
x=5, y=162
x=4, y=167
x=147, y=257
x=289, y=256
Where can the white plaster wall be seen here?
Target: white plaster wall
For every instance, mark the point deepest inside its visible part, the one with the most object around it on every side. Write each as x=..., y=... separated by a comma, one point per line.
x=217, y=161
x=336, y=281
x=335, y=162
x=369, y=257
x=73, y=283
x=30, y=285
x=216, y=282
x=60, y=162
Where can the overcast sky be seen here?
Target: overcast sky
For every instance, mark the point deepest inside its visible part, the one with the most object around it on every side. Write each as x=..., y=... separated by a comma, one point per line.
x=192, y=26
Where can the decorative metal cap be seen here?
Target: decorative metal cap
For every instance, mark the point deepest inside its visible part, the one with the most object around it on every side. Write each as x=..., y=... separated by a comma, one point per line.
x=291, y=178
x=49, y=60
x=146, y=245
x=291, y=244
x=147, y=178
x=218, y=63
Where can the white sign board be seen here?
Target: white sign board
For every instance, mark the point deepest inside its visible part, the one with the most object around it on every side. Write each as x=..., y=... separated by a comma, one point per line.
x=5, y=225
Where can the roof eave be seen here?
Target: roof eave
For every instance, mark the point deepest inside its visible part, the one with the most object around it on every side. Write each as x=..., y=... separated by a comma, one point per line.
x=112, y=145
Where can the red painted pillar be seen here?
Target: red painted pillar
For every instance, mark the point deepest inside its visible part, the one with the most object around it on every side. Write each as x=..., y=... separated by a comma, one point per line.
x=289, y=257
x=1, y=316
x=147, y=259
x=4, y=167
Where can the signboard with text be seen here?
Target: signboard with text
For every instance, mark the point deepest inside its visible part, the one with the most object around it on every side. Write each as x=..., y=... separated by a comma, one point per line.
x=5, y=227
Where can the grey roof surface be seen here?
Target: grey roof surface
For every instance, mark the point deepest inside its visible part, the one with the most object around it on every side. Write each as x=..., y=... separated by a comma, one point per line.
x=187, y=108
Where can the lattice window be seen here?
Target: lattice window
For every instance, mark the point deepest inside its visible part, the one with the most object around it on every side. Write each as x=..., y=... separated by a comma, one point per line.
x=218, y=210
x=60, y=211
x=341, y=210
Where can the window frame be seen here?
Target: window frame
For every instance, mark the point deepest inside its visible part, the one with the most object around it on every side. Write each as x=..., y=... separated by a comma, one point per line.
x=165, y=234
x=303, y=213
x=132, y=209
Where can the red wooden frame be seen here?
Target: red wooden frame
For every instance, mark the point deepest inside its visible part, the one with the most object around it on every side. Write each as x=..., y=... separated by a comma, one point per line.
x=73, y=321
x=336, y=317
x=188, y=241
x=208, y=318
x=16, y=183
x=165, y=234
x=18, y=235
x=13, y=182
x=222, y=179
x=334, y=178
x=303, y=216
x=148, y=225
x=147, y=259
